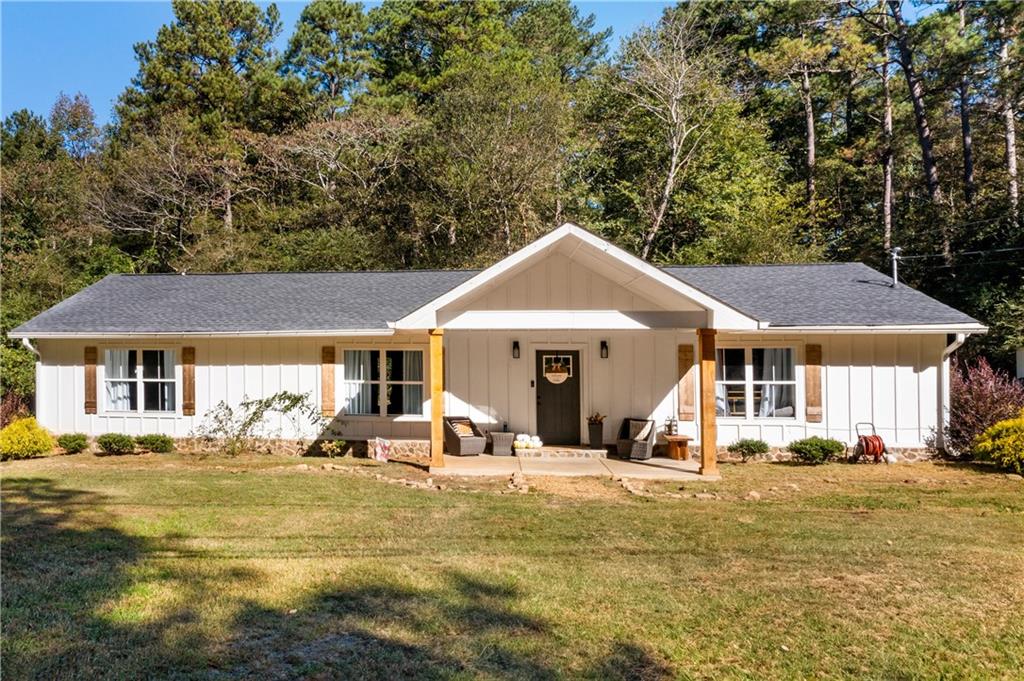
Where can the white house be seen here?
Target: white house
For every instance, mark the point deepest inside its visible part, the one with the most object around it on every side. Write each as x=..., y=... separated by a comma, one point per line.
x=776, y=352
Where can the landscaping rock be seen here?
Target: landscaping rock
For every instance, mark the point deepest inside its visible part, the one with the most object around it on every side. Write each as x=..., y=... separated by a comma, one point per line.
x=753, y=496
x=1014, y=476
x=705, y=495
x=636, y=489
x=517, y=483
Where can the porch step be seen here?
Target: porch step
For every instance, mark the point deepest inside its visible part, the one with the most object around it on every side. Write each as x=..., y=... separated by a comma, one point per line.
x=562, y=452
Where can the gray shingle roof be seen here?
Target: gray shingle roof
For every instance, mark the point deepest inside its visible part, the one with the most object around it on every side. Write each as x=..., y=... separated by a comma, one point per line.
x=783, y=295
x=239, y=303
x=826, y=294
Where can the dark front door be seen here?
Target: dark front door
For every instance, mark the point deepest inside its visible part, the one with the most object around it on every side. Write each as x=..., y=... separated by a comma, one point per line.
x=558, y=396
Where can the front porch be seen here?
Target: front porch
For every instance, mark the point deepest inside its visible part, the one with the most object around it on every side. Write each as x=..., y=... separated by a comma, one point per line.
x=656, y=468
x=657, y=375
x=567, y=327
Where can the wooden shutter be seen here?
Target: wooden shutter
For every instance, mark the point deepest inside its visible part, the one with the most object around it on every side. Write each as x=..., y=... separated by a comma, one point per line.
x=90, y=379
x=327, y=380
x=188, y=381
x=812, y=379
x=687, y=384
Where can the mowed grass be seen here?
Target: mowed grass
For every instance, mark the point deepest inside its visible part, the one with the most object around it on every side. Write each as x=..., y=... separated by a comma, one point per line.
x=171, y=566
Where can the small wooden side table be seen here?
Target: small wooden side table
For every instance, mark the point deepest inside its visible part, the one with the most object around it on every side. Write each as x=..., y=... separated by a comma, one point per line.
x=678, y=447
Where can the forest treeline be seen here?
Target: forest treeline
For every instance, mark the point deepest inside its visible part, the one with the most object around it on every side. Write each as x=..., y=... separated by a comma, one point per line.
x=448, y=134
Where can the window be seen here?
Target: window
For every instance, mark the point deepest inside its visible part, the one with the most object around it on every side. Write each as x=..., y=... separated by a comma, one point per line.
x=730, y=382
x=755, y=382
x=774, y=382
x=383, y=382
x=125, y=382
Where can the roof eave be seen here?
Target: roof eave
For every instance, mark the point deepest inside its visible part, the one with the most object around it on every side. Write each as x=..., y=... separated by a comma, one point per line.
x=965, y=328
x=199, y=334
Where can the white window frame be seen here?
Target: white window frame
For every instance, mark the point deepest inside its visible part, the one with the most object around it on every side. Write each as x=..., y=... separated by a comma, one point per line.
x=744, y=382
x=382, y=404
x=140, y=381
x=749, y=381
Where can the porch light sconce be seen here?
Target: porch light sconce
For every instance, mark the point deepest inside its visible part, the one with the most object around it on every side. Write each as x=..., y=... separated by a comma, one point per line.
x=604, y=349
x=515, y=349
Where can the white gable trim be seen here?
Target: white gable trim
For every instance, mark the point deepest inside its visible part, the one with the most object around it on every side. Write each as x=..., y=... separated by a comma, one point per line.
x=724, y=316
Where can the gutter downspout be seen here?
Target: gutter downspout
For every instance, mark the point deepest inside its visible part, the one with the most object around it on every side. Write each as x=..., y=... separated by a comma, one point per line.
x=39, y=367
x=954, y=342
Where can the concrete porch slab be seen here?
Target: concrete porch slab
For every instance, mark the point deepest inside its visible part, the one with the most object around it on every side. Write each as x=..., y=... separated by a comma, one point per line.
x=504, y=466
x=484, y=465
x=657, y=469
x=563, y=467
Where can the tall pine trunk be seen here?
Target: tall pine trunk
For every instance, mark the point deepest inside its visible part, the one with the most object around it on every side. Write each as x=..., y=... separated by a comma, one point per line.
x=924, y=130
x=963, y=92
x=916, y=88
x=229, y=215
x=887, y=158
x=1010, y=124
x=805, y=95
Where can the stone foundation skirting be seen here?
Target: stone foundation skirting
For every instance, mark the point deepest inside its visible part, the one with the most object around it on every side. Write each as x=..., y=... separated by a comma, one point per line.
x=421, y=449
x=901, y=454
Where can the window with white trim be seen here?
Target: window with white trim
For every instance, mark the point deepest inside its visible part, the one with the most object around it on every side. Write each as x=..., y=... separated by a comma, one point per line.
x=730, y=382
x=382, y=382
x=139, y=380
x=755, y=382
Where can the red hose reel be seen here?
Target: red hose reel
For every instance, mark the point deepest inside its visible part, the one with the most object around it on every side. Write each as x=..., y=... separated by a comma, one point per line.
x=869, y=445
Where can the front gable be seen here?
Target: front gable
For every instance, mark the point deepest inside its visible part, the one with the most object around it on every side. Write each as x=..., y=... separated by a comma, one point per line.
x=571, y=278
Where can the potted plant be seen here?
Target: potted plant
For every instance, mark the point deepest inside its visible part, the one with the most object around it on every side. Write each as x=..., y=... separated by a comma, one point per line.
x=595, y=430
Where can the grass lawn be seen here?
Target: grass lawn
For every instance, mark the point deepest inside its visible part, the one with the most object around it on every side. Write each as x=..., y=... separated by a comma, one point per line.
x=172, y=566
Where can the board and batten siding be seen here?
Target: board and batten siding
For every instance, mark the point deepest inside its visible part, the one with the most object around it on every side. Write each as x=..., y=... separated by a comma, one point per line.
x=484, y=382
x=226, y=369
x=888, y=379
x=560, y=283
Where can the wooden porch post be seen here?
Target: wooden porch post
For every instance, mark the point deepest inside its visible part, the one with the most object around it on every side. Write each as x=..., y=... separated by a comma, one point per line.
x=437, y=398
x=708, y=429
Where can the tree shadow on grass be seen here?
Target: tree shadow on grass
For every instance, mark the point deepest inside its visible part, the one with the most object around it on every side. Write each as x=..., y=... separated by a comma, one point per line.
x=67, y=565
x=58, y=565
x=466, y=627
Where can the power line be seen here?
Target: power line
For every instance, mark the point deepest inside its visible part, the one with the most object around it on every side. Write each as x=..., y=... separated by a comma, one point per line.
x=976, y=263
x=943, y=255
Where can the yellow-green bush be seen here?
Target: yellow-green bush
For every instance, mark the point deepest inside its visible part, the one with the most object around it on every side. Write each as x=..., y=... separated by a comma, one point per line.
x=1003, y=443
x=23, y=439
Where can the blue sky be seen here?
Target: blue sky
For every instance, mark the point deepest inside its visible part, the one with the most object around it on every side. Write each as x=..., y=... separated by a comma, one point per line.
x=50, y=47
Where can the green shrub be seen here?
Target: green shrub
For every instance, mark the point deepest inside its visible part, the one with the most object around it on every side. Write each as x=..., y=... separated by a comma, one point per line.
x=748, y=448
x=24, y=438
x=73, y=443
x=816, y=449
x=116, y=443
x=159, y=444
x=1003, y=443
